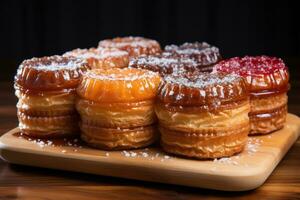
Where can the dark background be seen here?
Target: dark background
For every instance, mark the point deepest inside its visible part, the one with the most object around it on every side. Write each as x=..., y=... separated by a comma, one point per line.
x=238, y=28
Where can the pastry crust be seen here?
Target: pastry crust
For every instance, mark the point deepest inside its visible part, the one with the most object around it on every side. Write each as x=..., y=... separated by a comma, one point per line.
x=205, y=145
x=117, y=108
x=268, y=114
x=205, y=55
x=268, y=81
x=135, y=46
x=121, y=115
x=203, y=115
x=118, y=139
x=46, y=91
x=48, y=127
x=47, y=104
x=102, y=58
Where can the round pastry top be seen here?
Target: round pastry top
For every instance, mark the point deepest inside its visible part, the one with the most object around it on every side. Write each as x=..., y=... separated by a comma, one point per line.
x=97, y=53
x=163, y=65
x=260, y=72
x=118, y=85
x=202, y=89
x=135, y=46
x=50, y=73
x=203, y=53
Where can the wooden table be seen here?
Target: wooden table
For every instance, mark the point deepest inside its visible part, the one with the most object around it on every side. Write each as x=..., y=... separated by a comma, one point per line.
x=36, y=183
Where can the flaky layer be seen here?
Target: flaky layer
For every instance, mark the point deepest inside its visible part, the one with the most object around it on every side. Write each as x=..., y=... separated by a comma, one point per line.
x=199, y=121
x=266, y=104
x=47, y=104
x=118, y=139
x=122, y=115
x=205, y=145
x=48, y=127
x=269, y=121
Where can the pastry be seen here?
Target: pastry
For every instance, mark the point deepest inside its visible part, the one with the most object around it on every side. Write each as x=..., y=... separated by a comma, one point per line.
x=101, y=57
x=116, y=107
x=135, y=46
x=203, y=54
x=268, y=83
x=203, y=115
x=46, y=89
x=164, y=65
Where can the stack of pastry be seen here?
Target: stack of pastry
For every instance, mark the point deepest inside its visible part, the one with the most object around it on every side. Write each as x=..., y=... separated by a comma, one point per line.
x=203, y=115
x=46, y=88
x=101, y=57
x=205, y=55
x=164, y=65
x=268, y=81
x=117, y=108
x=135, y=46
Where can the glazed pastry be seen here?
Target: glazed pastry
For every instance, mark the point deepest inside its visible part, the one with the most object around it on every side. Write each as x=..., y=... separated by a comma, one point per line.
x=203, y=115
x=268, y=82
x=117, y=108
x=135, y=46
x=164, y=65
x=46, y=91
x=101, y=57
x=203, y=54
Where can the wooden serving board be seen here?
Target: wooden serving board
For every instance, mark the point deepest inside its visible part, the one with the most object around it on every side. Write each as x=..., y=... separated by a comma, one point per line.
x=245, y=171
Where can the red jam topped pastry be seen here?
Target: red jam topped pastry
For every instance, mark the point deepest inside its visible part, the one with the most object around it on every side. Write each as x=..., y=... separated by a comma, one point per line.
x=268, y=82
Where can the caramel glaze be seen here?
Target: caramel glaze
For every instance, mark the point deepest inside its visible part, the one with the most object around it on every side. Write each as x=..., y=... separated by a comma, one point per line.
x=209, y=91
x=50, y=73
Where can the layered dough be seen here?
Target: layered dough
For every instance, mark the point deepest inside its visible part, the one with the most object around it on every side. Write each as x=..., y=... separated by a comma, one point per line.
x=48, y=114
x=122, y=115
x=117, y=125
x=204, y=134
x=116, y=107
x=46, y=89
x=203, y=115
x=268, y=113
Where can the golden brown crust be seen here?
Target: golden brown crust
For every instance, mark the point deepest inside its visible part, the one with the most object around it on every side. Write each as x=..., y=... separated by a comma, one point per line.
x=214, y=122
x=268, y=121
x=205, y=145
x=135, y=46
x=46, y=104
x=101, y=58
x=202, y=89
x=50, y=73
x=48, y=127
x=112, y=115
x=118, y=139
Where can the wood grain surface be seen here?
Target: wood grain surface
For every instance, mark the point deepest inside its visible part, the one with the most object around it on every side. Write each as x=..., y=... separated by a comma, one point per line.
x=22, y=182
